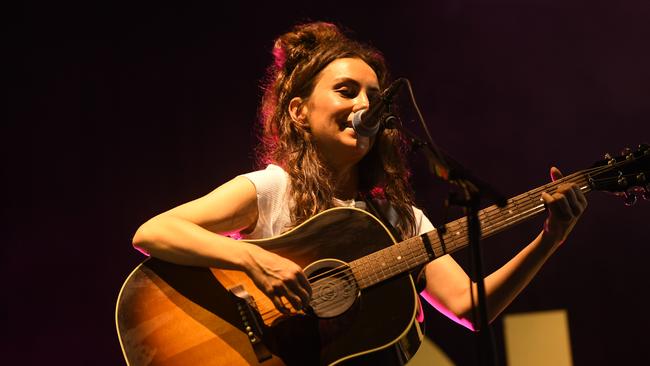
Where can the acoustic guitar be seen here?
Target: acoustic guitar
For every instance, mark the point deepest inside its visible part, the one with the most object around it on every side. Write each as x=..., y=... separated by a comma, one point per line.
x=364, y=301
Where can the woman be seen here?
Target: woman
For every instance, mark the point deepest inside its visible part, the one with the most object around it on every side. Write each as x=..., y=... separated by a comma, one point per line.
x=319, y=79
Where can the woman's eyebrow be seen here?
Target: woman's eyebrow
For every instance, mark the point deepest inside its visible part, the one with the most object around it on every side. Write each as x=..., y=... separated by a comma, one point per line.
x=345, y=79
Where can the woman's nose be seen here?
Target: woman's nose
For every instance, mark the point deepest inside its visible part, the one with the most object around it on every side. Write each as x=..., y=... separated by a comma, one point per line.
x=361, y=102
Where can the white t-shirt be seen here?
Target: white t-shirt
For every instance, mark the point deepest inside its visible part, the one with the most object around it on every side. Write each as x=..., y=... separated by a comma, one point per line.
x=274, y=202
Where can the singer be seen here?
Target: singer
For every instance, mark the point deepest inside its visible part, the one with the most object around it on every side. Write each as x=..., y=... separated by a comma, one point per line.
x=312, y=162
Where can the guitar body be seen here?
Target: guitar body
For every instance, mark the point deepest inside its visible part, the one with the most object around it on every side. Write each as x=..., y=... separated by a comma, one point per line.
x=178, y=315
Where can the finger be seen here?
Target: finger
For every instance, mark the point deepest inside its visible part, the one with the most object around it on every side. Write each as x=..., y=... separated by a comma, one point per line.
x=296, y=288
x=275, y=293
x=304, y=282
x=581, y=198
x=560, y=207
x=555, y=205
x=580, y=202
x=294, y=299
x=572, y=200
x=555, y=173
x=277, y=301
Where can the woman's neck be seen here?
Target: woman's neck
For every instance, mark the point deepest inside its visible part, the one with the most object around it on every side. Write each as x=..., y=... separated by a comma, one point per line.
x=346, y=182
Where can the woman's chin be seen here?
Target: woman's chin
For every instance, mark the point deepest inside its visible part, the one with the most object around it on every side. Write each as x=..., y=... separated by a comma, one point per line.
x=362, y=143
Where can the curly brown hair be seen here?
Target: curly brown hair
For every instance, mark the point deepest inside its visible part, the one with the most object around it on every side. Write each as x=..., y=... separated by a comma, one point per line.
x=299, y=56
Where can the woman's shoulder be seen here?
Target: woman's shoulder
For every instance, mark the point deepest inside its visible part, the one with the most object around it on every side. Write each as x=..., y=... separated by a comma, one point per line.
x=272, y=174
x=272, y=179
x=269, y=169
x=271, y=185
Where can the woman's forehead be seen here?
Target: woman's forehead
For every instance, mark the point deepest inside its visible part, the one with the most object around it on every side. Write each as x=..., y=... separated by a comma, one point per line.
x=350, y=69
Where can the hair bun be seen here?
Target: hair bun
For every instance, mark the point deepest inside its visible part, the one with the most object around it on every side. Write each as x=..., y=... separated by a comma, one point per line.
x=301, y=42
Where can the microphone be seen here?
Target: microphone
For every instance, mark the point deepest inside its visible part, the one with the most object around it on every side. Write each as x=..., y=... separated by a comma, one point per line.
x=366, y=122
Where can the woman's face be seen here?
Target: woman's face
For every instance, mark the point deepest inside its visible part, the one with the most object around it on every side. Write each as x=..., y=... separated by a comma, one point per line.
x=342, y=88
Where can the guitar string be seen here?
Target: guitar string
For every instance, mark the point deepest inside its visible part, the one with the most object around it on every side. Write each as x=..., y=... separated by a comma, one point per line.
x=462, y=226
x=539, y=208
x=517, y=210
x=335, y=302
x=381, y=276
x=530, y=204
x=488, y=214
x=488, y=217
x=485, y=218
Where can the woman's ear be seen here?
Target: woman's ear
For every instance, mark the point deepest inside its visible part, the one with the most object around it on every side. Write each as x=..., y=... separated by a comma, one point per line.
x=298, y=112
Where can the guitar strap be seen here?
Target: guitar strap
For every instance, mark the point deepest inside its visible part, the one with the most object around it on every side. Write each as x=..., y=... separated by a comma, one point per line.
x=372, y=208
x=418, y=272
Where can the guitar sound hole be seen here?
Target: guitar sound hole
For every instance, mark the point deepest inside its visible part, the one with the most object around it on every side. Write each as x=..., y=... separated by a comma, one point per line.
x=334, y=289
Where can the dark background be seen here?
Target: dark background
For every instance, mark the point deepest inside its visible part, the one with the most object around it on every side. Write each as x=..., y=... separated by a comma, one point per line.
x=119, y=111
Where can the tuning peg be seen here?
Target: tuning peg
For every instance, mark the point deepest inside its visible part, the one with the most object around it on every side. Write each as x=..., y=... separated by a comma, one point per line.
x=644, y=148
x=630, y=198
x=610, y=159
x=622, y=181
x=626, y=151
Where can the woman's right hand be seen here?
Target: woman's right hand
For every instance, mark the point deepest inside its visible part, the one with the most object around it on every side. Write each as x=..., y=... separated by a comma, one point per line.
x=278, y=277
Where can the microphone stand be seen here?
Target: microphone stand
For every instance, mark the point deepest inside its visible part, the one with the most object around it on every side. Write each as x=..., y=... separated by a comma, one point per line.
x=443, y=167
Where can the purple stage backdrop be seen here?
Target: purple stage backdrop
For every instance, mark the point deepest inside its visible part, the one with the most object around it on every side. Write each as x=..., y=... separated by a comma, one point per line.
x=119, y=112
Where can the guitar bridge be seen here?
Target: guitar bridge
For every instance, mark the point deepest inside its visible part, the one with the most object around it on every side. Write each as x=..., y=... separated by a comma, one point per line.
x=248, y=312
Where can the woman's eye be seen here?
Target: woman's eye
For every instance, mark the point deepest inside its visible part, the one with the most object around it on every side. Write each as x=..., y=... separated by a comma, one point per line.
x=347, y=92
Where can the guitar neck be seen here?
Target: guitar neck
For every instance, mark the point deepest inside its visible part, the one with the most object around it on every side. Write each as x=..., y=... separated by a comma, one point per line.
x=418, y=250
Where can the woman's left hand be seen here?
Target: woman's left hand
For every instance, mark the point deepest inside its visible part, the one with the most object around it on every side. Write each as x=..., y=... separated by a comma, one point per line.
x=565, y=206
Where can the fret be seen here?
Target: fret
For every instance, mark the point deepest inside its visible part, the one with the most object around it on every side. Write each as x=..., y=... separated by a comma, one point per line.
x=492, y=212
x=407, y=252
x=369, y=272
x=359, y=271
x=384, y=261
x=391, y=259
x=380, y=262
x=423, y=255
x=500, y=213
x=410, y=253
x=399, y=253
x=456, y=233
x=373, y=275
x=372, y=266
x=488, y=222
x=388, y=261
x=417, y=247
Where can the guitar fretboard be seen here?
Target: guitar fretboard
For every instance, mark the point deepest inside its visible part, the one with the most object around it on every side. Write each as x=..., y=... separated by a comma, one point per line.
x=411, y=253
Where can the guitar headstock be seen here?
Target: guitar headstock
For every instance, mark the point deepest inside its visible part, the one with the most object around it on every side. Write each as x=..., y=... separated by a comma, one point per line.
x=627, y=175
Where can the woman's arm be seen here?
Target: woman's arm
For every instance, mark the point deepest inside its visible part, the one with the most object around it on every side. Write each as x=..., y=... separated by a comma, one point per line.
x=186, y=234
x=448, y=288
x=190, y=235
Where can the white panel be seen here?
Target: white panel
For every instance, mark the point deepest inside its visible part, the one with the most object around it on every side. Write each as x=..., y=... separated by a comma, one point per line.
x=429, y=355
x=537, y=338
